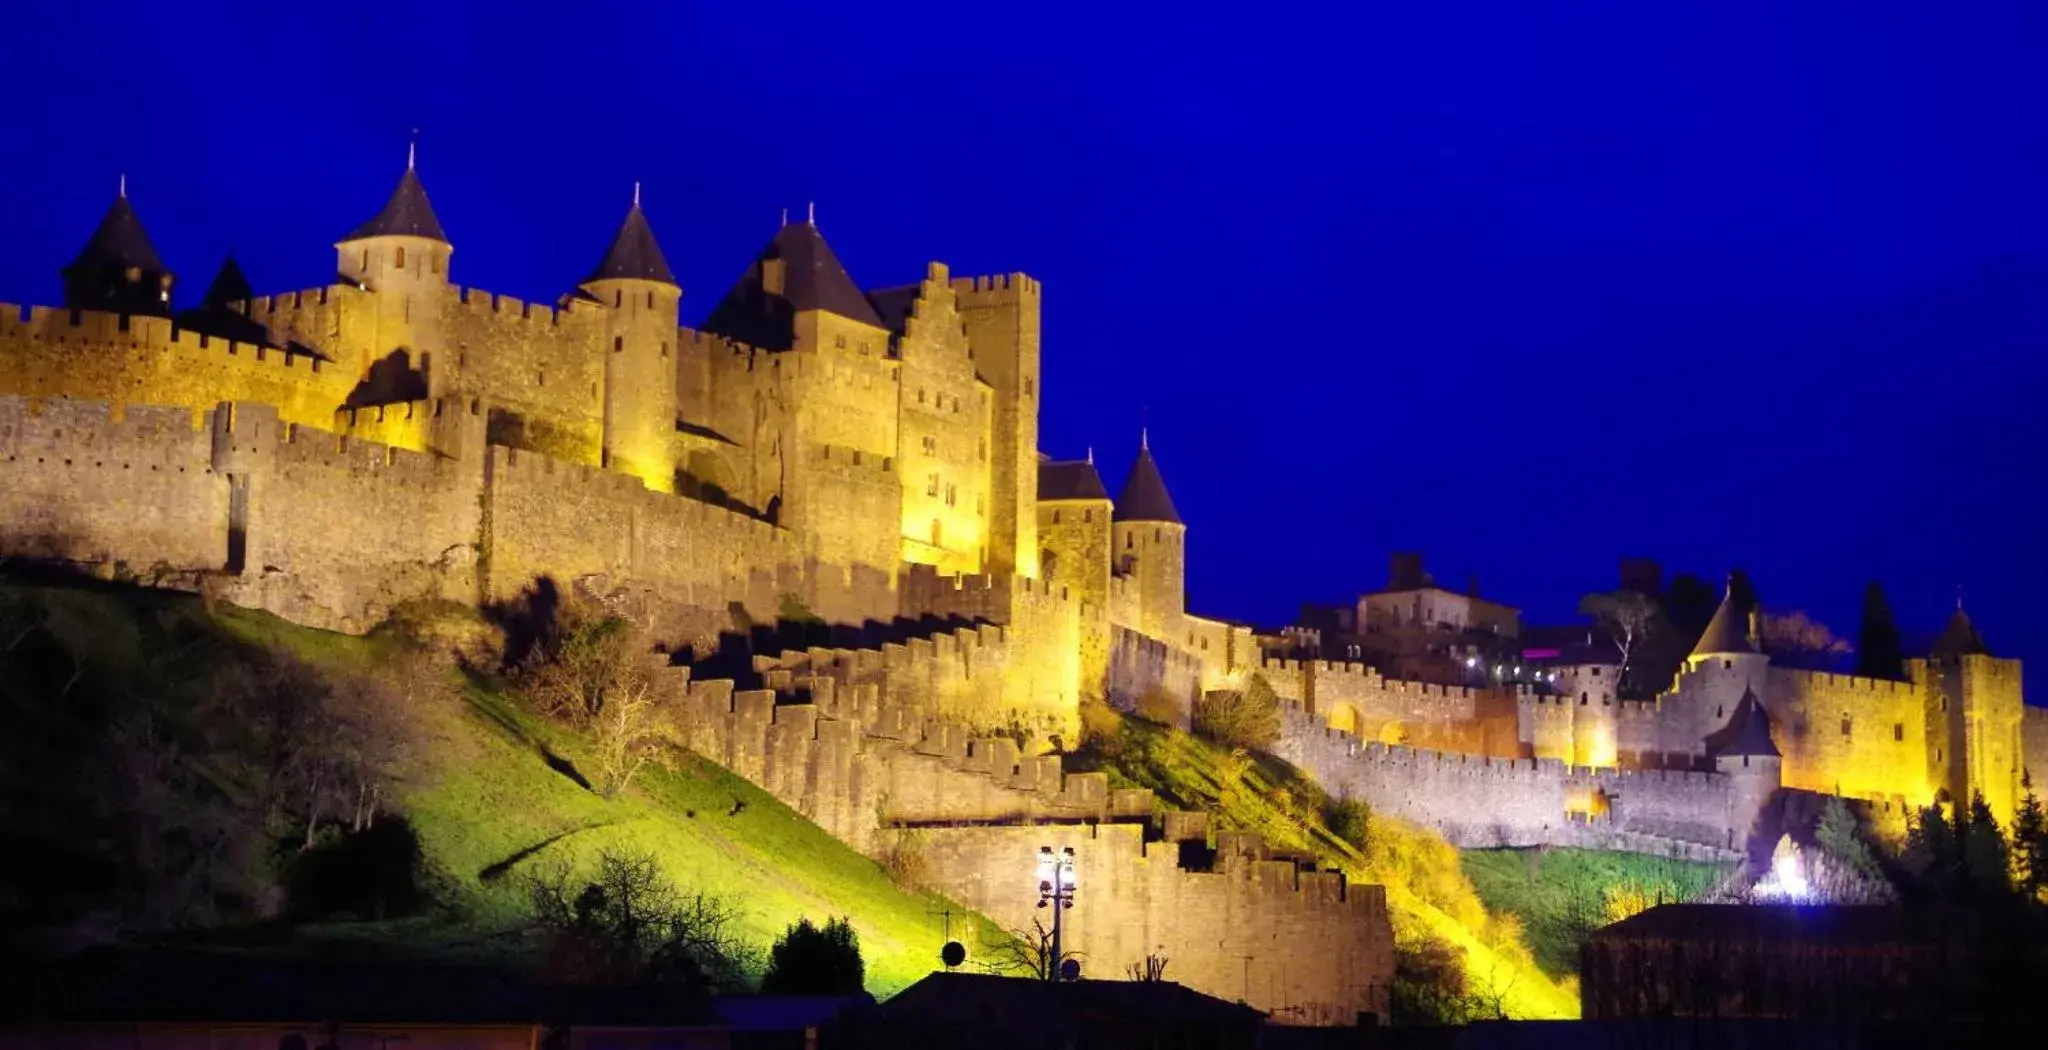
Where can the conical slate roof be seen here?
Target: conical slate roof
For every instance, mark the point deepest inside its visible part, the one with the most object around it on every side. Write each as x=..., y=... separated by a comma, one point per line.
x=1960, y=637
x=229, y=286
x=812, y=279
x=120, y=242
x=1144, y=497
x=1068, y=480
x=634, y=254
x=1727, y=632
x=1749, y=730
x=406, y=214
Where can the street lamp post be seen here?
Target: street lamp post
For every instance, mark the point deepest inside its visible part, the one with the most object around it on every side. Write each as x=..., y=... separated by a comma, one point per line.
x=1055, y=890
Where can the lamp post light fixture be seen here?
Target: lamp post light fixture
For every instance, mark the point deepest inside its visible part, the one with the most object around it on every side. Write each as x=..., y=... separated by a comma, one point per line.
x=1056, y=891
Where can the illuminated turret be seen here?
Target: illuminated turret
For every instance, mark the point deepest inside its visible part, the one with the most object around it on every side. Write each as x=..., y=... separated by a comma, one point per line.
x=118, y=269
x=1150, y=546
x=634, y=283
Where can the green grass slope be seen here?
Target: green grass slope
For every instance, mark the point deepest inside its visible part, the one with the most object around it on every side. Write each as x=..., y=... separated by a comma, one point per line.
x=1561, y=894
x=481, y=782
x=1428, y=895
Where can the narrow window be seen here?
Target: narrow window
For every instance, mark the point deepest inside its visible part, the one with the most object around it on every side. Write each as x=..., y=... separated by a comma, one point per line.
x=920, y=395
x=931, y=485
x=839, y=342
x=1583, y=697
x=1130, y=540
x=1845, y=725
x=434, y=262
x=618, y=344
x=1898, y=731
x=1088, y=516
x=936, y=534
x=1596, y=672
x=1028, y=387
x=1725, y=664
x=650, y=298
x=540, y=379
x=401, y=256
x=1055, y=517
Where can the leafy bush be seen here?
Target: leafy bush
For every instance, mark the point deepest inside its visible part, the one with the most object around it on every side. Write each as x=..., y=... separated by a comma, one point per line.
x=1247, y=718
x=1350, y=820
x=373, y=873
x=813, y=960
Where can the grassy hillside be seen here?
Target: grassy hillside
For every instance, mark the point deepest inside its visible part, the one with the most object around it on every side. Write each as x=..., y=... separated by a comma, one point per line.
x=1431, y=900
x=488, y=788
x=1561, y=894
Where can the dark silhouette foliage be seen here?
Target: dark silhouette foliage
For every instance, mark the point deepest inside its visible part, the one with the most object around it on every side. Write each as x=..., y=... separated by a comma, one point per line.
x=815, y=960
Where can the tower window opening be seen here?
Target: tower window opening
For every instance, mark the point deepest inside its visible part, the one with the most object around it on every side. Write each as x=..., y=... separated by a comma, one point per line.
x=650, y=298
x=618, y=344
x=1845, y=725
x=1088, y=516
x=931, y=485
x=1055, y=517
x=401, y=257
x=1725, y=664
x=1899, y=731
x=839, y=342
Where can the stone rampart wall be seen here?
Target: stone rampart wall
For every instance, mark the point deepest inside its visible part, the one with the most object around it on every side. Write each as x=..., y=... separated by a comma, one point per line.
x=1304, y=945
x=1142, y=667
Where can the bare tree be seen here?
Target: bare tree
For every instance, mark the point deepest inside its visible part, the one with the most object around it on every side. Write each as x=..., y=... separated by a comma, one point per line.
x=1796, y=632
x=1028, y=952
x=1629, y=618
x=595, y=678
x=626, y=924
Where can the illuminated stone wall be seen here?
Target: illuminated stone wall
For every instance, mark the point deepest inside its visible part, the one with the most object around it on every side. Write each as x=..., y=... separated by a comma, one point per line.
x=1001, y=316
x=1146, y=674
x=1239, y=924
x=88, y=356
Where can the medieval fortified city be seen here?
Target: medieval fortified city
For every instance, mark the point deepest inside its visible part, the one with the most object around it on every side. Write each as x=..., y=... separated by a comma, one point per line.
x=859, y=584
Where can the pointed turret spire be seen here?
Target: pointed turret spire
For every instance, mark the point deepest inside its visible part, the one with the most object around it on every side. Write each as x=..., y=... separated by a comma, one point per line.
x=796, y=273
x=118, y=269
x=230, y=285
x=811, y=213
x=1748, y=733
x=1960, y=637
x=634, y=253
x=406, y=214
x=1727, y=632
x=1144, y=497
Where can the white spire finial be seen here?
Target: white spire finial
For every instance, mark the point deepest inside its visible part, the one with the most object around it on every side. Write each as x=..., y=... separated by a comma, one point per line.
x=636, y=193
x=785, y=216
x=1959, y=597
x=1144, y=439
x=411, y=149
x=810, y=213
x=124, y=186
x=1091, y=455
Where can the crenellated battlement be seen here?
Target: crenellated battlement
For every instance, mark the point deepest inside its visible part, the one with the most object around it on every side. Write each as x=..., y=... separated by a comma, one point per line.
x=79, y=328
x=993, y=289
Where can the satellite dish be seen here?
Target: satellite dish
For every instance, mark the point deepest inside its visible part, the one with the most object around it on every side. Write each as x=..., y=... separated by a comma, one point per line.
x=1070, y=970
x=953, y=954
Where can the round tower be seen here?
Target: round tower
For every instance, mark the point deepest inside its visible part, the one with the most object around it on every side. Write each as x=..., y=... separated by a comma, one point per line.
x=1725, y=665
x=1149, y=548
x=639, y=293
x=1745, y=753
x=1074, y=537
x=401, y=258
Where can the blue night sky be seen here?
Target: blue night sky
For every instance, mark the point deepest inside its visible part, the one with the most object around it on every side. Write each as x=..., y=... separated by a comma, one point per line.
x=1526, y=286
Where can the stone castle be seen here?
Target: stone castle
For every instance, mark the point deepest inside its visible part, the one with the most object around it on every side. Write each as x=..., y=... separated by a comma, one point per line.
x=869, y=457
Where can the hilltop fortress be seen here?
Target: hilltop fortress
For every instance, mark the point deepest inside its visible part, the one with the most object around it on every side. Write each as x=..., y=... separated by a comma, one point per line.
x=870, y=457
